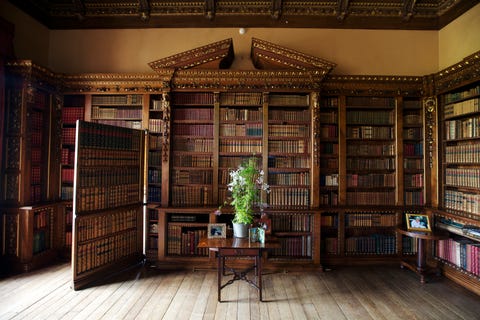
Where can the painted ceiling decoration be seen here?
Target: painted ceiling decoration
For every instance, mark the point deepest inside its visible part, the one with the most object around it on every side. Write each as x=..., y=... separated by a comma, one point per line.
x=366, y=14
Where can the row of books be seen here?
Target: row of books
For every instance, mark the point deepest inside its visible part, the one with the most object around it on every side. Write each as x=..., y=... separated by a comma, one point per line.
x=413, y=180
x=152, y=214
x=130, y=124
x=330, y=102
x=463, y=177
x=154, y=175
x=412, y=133
x=36, y=174
x=240, y=98
x=373, y=180
x=373, y=244
x=414, y=164
x=36, y=138
x=379, y=198
x=328, y=198
x=462, y=129
x=413, y=149
x=294, y=178
x=370, y=149
x=189, y=160
x=100, y=225
x=248, y=129
x=454, y=96
x=292, y=222
x=191, y=195
x=461, y=108
x=287, y=115
x=112, y=137
x=244, y=145
x=68, y=238
x=288, y=162
x=98, y=198
x=409, y=245
x=369, y=132
x=156, y=125
x=462, y=201
x=457, y=226
x=329, y=180
x=157, y=105
x=329, y=131
x=289, y=130
x=36, y=155
x=376, y=117
x=41, y=218
x=387, y=102
x=294, y=247
x=67, y=156
x=68, y=136
x=329, y=220
x=103, y=158
x=192, y=144
x=35, y=193
x=234, y=114
x=36, y=121
x=186, y=114
x=205, y=130
x=461, y=252
x=370, y=163
x=288, y=146
x=463, y=153
x=414, y=198
x=66, y=192
x=124, y=99
x=196, y=176
x=67, y=175
x=189, y=98
x=70, y=115
x=183, y=240
x=412, y=119
x=112, y=248
x=329, y=116
x=329, y=148
x=369, y=219
x=289, y=197
x=154, y=193
x=288, y=100
x=41, y=241
x=105, y=176
x=329, y=163
x=155, y=142
x=116, y=113
x=155, y=158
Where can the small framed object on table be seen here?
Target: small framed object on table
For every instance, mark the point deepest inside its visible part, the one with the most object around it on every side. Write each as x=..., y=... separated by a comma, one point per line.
x=256, y=235
x=217, y=230
x=418, y=222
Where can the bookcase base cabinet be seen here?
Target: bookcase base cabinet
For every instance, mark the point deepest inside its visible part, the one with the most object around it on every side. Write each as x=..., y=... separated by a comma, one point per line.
x=30, y=237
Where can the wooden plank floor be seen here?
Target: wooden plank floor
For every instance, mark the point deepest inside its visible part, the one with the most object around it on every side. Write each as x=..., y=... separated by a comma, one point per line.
x=148, y=293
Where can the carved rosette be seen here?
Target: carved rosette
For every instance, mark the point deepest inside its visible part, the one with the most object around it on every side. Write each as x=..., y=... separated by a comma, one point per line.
x=430, y=107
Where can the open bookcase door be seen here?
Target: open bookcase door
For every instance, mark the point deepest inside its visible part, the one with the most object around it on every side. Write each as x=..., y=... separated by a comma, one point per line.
x=108, y=222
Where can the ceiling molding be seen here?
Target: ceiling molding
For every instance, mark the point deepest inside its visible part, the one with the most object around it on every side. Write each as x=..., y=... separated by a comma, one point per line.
x=367, y=14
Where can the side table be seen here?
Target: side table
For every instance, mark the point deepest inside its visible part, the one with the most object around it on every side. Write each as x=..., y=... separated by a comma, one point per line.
x=421, y=267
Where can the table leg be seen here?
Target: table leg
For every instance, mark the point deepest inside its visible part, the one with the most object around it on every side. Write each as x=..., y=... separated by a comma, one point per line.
x=219, y=277
x=259, y=278
x=421, y=260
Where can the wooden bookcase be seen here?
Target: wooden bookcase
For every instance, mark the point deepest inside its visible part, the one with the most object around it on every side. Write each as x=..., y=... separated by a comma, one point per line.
x=459, y=195
x=108, y=201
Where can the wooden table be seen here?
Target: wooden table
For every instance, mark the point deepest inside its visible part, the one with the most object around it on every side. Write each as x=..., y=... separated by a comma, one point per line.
x=238, y=247
x=421, y=267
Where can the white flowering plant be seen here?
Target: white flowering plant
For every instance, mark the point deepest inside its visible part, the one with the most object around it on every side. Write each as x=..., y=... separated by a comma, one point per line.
x=246, y=185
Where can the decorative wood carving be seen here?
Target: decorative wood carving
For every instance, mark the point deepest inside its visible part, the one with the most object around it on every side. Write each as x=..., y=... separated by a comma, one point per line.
x=430, y=106
x=212, y=56
x=466, y=71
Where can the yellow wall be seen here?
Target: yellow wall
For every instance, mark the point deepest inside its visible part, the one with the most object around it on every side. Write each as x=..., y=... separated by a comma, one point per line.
x=387, y=52
x=460, y=38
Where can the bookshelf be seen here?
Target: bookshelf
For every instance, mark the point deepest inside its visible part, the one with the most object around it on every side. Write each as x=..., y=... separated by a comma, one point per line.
x=192, y=149
x=108, y=199
x=156, y=140
x=413, y=152
x=122, y=110
x=329, y=151
x=289, y=150
x=460, y=187
x=370, y=150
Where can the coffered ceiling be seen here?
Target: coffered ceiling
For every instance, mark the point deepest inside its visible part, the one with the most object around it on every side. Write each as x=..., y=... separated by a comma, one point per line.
x=365, y=14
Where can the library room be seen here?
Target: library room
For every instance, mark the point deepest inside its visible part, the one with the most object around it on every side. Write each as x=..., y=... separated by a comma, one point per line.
x=240, y=159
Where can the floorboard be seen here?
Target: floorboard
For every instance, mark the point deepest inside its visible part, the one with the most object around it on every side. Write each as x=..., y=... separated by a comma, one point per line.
x=351, y=293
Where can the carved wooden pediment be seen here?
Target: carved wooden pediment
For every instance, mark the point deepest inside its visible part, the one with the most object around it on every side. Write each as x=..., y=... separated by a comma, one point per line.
x=217, y=55
x=266, y=55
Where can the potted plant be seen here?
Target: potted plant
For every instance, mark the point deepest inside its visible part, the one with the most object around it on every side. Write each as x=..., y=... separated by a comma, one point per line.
x=245, y=187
